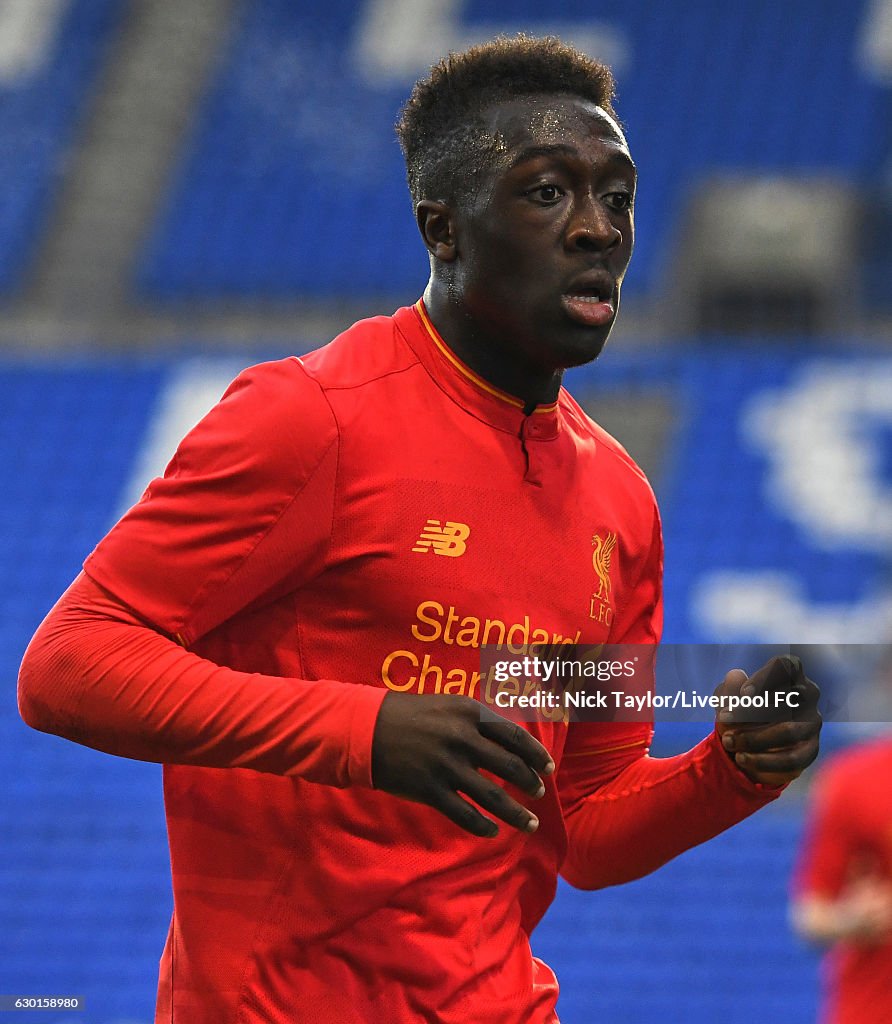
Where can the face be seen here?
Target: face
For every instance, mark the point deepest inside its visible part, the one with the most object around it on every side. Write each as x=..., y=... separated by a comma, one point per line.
x=542, y=248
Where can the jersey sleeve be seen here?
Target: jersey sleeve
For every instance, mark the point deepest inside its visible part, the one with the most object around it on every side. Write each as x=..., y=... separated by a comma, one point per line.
x=641, y=811
x=96, y=674
x=625, y=812
x=243, y=510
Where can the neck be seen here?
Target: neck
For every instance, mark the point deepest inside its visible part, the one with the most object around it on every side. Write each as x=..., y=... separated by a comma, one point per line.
x=488, y=356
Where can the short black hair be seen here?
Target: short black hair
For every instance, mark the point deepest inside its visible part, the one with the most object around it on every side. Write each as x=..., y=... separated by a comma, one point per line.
x=441, y=129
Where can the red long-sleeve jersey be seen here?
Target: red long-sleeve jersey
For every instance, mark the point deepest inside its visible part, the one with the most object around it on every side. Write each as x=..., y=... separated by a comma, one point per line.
x=356, y=521
x=849, y=838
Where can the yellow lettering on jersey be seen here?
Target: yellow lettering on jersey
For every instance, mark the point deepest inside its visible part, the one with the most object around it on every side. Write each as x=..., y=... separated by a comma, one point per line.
x=421, y=614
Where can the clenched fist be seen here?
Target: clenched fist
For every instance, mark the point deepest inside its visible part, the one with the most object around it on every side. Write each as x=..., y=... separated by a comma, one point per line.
x=773, y=744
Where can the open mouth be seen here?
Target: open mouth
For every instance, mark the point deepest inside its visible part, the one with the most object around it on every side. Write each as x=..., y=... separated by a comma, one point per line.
x=592, y=306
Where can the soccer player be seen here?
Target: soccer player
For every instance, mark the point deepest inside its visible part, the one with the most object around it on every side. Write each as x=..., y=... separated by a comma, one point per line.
x=843, y=886
x=291, y=619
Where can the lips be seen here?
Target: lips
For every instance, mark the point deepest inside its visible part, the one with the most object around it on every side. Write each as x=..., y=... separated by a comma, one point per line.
x=589, y=298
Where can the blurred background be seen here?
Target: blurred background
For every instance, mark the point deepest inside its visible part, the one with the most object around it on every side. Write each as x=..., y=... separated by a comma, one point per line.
x=190, y=186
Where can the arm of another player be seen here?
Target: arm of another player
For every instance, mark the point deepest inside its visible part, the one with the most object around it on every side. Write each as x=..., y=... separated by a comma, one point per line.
x=836, y=896
x=861, y=915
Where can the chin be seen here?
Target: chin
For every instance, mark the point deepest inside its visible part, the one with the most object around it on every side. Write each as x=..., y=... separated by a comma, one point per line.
x=585, y=348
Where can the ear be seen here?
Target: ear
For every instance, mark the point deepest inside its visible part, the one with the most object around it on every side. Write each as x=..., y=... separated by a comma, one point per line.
x=437, y=226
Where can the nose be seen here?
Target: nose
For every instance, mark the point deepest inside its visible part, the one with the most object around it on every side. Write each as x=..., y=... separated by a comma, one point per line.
x=591, y=228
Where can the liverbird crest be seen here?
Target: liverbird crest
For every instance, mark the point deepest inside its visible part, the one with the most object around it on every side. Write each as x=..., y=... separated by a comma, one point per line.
x=601, y=552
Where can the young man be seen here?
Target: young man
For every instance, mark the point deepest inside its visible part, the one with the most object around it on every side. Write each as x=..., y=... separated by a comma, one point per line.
x=291, y=620
x=842, y=895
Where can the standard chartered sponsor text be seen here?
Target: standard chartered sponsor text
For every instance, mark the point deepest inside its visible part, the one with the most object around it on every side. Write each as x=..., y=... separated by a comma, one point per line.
x=445, y=627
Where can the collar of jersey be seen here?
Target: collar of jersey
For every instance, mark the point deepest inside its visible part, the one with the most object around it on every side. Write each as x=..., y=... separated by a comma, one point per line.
x=476, y=395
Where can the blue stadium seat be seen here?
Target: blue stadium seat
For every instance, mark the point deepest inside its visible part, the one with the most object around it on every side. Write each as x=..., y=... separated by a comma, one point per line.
x=293, y=185
x=84, y=896
x=673, y=947
x=40, y=109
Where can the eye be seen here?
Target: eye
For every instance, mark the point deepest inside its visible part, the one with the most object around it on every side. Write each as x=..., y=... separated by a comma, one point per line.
x=546, y=194
x=620, y=201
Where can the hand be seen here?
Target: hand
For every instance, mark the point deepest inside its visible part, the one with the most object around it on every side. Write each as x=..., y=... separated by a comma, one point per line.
x=866, y=911
x=771, y=745
x=862, y=915
x=431, y=747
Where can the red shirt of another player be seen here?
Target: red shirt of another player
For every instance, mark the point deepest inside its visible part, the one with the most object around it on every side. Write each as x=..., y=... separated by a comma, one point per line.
x=849, y=838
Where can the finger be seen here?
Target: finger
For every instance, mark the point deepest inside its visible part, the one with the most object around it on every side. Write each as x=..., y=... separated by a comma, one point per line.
x=809, y=694
x=780, y=674
x=777, y=692
x=769, y=737
x=751, y=717
x=494, y=800
x=464, y=815
x=510, y=767
x=793, y=760
x=730, y=686
x=512, y=737
x=756, y=722
x=731, y=683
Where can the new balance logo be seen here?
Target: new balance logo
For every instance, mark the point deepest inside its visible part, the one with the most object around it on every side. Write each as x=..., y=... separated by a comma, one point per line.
x=443, y=539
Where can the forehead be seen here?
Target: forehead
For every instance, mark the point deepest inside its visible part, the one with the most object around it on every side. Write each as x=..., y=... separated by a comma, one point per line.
x=546, y=120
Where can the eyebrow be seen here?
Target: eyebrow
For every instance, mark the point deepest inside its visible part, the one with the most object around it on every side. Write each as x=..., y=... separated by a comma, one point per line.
x=562, y=149
x=558, y=148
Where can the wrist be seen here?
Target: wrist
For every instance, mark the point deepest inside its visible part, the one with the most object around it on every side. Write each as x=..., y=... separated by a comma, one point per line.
x=769, y=786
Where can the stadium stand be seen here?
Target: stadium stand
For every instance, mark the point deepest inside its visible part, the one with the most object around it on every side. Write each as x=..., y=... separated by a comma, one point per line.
x=43, y=93
x=288, y=164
